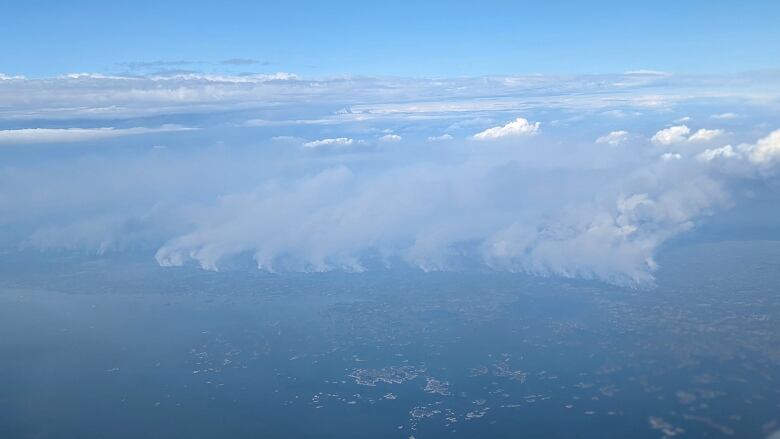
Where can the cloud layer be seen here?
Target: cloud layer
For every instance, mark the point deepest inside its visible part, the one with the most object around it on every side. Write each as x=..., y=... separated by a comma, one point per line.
x=357, y=173
x=67, y=135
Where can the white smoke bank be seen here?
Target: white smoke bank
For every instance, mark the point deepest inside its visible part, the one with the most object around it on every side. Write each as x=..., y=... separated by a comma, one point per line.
x=432, y=216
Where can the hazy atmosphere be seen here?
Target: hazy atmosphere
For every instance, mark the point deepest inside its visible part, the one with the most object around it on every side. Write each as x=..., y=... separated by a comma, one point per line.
x=415, y=220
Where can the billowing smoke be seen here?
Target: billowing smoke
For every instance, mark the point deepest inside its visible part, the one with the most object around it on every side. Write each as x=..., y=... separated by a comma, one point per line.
x=576, y=187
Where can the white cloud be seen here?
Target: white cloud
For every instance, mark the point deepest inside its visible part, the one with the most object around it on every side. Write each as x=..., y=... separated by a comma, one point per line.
x=442, y=138
x=390, y=138
x=764, y=155
x=337, y=142
x=682, y=134
x=66, y=135
x=704, y=135
x=669, y=156
x=614, y=138
x=671, y=135
x=4, y=77
x=724, y=116
x=709, y=155
x=767, y=151
x=518, y=127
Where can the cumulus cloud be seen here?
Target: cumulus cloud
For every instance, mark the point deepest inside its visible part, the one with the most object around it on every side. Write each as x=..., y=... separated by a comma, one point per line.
x=704, y=135
x=762, y=156
x=767, y=150
x=335, y=142
x=709, y=155
x=390, y=138
x=614, y=138
x=681, y=134
x=675, y=134
x=518, y=127
x=66, y=135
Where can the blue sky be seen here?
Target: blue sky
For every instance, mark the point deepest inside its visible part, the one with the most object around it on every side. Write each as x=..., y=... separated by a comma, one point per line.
x=434, y=38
